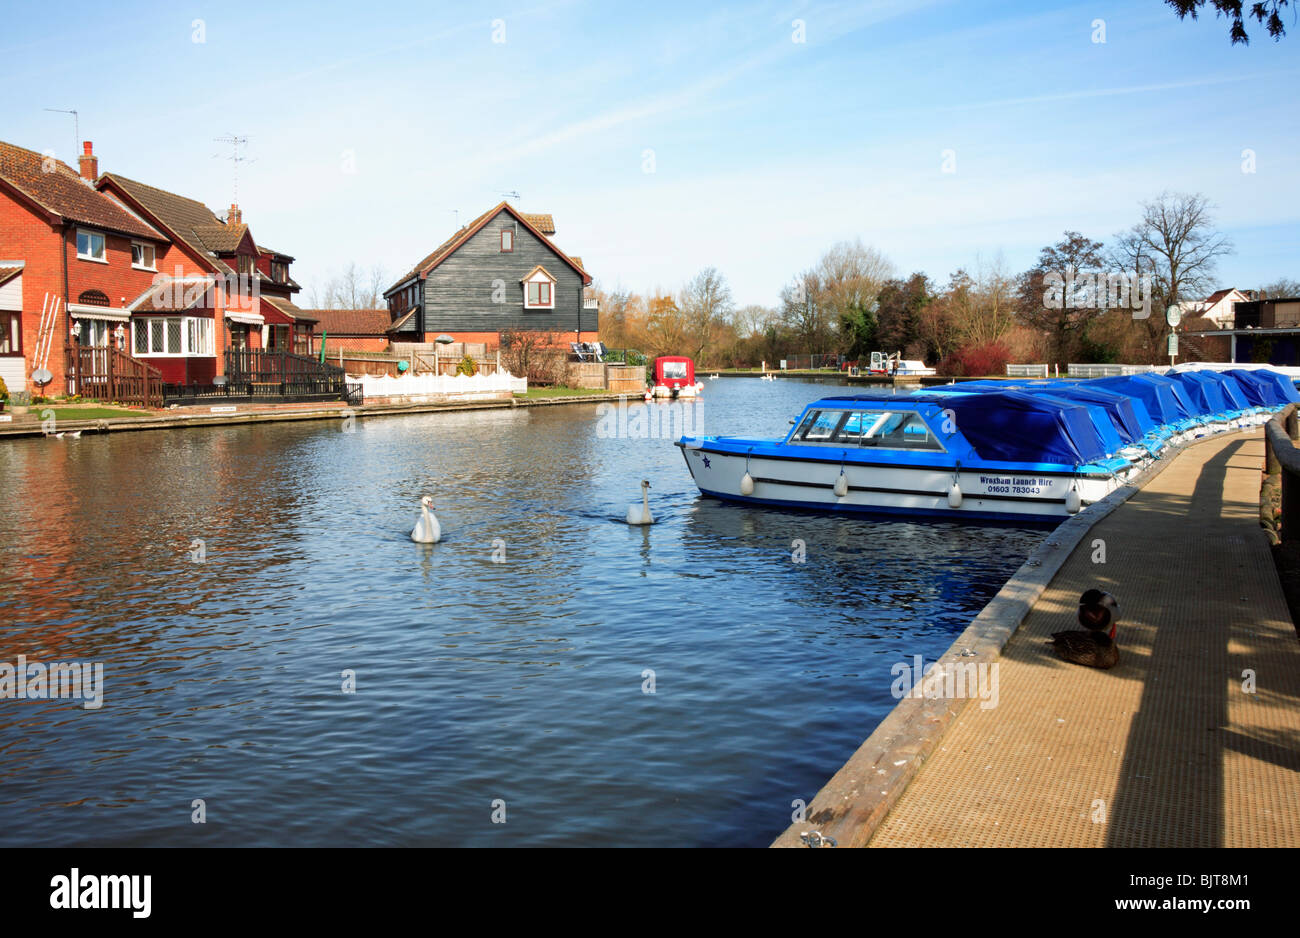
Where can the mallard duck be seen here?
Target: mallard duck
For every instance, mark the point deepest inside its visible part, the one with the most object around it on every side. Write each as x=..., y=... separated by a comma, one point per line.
x=1098, y=609
x=1094, y=648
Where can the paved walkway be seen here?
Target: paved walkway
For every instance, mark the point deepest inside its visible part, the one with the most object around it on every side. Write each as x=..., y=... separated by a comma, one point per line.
x=1167, y=749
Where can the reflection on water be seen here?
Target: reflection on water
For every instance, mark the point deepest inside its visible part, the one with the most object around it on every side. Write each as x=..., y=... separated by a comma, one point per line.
x=475, y=680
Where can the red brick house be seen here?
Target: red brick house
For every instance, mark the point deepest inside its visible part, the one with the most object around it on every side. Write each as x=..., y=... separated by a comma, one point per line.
x=75, y=259
x=258, y=313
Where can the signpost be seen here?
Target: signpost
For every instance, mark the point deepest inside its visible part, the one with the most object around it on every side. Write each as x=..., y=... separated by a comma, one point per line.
x=1173, y=316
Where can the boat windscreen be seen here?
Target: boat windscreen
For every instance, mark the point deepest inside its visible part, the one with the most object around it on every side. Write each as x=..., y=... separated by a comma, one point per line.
x=883, y=429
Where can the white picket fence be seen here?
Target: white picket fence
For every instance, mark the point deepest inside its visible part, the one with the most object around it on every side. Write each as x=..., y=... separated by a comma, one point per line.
x=1111, y=371
x=429, y=385
x=1026, y=371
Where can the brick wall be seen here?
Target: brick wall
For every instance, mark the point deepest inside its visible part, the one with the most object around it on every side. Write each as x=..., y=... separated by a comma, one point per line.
x=29, y=237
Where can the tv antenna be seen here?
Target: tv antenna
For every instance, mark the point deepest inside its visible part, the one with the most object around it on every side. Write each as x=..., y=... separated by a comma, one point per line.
x=455, y=213
x=512, y=194
x=76, y=127
x=236, y=142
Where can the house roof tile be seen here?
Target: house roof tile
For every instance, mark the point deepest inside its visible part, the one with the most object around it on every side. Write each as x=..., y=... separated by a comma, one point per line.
x=183, y=216
x=286, y=307
x=542, y=222
x=358, y=322
x=221, y=239
x=63, y=192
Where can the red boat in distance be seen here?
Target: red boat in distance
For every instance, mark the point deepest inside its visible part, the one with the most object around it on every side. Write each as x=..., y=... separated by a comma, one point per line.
x=675, y=377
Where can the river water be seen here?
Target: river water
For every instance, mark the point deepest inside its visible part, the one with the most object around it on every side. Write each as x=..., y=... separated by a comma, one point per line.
x=226, y=579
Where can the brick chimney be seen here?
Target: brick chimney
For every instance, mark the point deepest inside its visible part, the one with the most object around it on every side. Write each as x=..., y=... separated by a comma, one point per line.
x=235, y=216
x=89, y=163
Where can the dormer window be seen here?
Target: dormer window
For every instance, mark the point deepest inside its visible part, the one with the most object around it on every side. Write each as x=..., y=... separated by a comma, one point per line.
x=539, y=294
x=539, y=289
x=507, y=240
x=279, y=271
x=245, y=265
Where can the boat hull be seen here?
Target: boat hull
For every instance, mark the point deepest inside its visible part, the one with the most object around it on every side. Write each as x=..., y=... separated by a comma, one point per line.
x=911, y=490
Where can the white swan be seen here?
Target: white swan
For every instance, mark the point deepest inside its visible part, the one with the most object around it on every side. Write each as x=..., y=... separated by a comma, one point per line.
x=427, y=529
x=640, y=514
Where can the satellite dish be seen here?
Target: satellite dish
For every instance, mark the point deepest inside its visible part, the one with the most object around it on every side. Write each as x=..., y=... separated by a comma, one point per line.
x=1173, y=316
x=42, y=377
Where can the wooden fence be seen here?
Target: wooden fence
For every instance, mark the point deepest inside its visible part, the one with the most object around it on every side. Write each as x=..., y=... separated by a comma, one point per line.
x=1280, y=492
x=109, y=374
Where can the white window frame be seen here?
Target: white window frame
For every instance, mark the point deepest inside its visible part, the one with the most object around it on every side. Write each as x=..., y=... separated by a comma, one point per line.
x=103, y=239
x=539, y=279
x=144, y=246
x=196, y=337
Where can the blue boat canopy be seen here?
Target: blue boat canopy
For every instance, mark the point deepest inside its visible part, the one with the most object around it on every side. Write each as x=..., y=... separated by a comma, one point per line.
x=1012, y=426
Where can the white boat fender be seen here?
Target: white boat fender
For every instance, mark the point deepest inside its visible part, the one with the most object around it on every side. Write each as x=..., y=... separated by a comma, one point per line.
x=1073, y=501
x=747, y=480
x=842, y=485
x=954, y=495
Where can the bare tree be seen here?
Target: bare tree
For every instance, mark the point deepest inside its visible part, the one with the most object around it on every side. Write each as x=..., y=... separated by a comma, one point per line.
x=983, y=307
x=753, y=320
x=850, y=276
x=1174, y=244
x=353, y=288
x=1282, y=287
x=705, y=303
x=805, y=312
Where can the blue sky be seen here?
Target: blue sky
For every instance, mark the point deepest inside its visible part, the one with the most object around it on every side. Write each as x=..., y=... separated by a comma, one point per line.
x=370, y=123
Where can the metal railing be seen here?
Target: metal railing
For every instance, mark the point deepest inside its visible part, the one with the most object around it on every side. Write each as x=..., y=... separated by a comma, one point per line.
x=266, y=376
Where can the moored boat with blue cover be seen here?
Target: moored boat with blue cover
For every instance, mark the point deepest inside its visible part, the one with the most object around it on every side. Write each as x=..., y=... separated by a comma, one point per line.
x=988, y=450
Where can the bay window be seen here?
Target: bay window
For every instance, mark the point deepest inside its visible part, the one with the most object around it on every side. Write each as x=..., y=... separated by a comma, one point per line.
x=173, y=336
x=11, y=333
